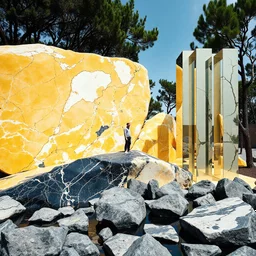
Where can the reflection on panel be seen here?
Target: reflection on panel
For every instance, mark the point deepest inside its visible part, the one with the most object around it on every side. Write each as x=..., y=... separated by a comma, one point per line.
x=207, y=135
x=229, y=108
x=182, y=108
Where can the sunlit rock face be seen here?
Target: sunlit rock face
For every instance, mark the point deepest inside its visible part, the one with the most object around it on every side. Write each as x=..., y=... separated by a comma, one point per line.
x=158, y=137
x=58, y=105
x=77, y=182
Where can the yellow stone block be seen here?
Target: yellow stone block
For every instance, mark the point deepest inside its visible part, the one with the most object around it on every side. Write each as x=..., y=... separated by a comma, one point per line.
x=179, y=97
x=241, y=162
x=158, y=138
x=58, y=105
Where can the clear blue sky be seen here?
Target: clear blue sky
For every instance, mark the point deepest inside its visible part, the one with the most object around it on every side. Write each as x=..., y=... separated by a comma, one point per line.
x=176, y=21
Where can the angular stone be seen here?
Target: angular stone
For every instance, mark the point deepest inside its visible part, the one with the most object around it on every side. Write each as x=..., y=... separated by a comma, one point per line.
x=77, y=222
x=83, y=177
x=44, y=215
x=201, y=188
x=35, y=241
x=185, y=192
x=169, y=189
x=227, y=188
x=82, y=244
x=9, y=208
x=93, y=201
x=152, y=189
x=105, y=234
x=163, y=232
x=69, y=252
x=66, y=211
x=137, y=186
x=242, y=182
x=173, y=205
x=158, y=132
x=88, y=210
x=147, y=245
x=204, y=200
x=200, y=250
x=122, y=207
x=5, y=226
x=244, y=250
x=118, y=244
x=148, y=202
x=250, y=199
x=78, y=103
x=227, y=222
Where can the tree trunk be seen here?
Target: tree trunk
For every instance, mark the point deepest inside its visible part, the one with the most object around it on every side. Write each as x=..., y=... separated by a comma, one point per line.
x=245, y=130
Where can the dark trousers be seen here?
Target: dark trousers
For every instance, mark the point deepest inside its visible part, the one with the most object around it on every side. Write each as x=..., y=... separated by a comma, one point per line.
x=127, y=144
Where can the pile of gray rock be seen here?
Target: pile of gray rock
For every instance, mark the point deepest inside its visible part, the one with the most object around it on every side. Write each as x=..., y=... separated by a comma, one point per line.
x=223, y=216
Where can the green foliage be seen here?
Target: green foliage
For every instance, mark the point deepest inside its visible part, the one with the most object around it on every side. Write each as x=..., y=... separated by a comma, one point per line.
x=154, y=105
x=229, y=26
x=251, y=102
x=106, y=27
x=167, y=94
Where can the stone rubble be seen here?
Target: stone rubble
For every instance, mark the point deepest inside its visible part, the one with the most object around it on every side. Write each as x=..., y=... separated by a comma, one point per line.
x=214, y=223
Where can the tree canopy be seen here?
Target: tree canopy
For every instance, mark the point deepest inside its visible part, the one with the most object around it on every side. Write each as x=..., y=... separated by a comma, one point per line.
x=154, y=105
x=167, y=94
x=231, y=26
x=105, y=27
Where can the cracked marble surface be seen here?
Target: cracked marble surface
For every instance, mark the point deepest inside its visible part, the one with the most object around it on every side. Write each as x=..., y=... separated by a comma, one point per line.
x=76, y=183
x=158, y=137
x=57, y=105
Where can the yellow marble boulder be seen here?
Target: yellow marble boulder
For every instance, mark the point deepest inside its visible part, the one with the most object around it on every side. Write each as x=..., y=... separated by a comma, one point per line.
x=57, y=106
x=158, y=138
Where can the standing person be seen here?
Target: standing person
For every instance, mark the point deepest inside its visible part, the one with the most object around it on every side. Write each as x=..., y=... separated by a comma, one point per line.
x=127, y=136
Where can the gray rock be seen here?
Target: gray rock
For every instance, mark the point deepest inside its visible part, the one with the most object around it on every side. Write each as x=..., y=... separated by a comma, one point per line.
x=227, y=222
x=200, y=250
x=118, y=245
x=147, y=245
x=201, y=188
x=244, y=250
x=66, y=211
x=88, y=210
x=169, y=206
x=9, y=208
x=69, y=252
x=93, y=201
x=5, y=226
x=138, y=187
x=82, y=244
x=77, y=222
x=164, y=232
x=169, y=189
x=184, y=178
x=242, y=182
x=44, y=215
x=105, y=234
x=185, y=191
x=227, y=188
x=152, y=188
x=33, y=240
x=204, y=200
x=123, y=207
x=83, y=176
x=148, y=202
x=250, y=199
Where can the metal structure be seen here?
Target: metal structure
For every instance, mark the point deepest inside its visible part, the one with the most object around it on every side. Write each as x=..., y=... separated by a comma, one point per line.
x=207, y=111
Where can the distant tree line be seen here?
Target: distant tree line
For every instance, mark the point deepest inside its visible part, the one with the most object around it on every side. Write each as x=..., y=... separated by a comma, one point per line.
x=166, y=98
x=105, y=27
